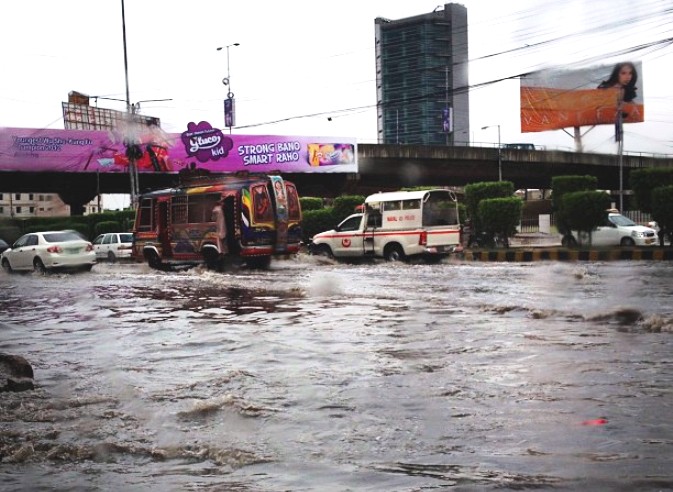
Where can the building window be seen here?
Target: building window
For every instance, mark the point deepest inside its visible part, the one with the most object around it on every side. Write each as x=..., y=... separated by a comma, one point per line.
x=18, y=210
x=17, y=196
x=2, y=197
x=31, y=197
x=31, y=210
x=2, y=210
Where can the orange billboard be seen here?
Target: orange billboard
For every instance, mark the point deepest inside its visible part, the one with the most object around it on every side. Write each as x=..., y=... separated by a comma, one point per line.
x=556, y=99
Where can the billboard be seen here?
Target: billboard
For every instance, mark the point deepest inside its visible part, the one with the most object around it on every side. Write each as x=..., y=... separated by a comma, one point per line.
x=556, y=99
x=200, y=146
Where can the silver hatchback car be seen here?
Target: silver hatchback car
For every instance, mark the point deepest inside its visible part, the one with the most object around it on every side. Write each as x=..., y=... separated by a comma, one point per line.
x=113, y=246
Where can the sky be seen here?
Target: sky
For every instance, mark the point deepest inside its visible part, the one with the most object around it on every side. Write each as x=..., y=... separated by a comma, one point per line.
x=308, y=68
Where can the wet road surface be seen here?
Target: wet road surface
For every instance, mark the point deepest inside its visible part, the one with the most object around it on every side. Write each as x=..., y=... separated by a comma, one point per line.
x=315, y=375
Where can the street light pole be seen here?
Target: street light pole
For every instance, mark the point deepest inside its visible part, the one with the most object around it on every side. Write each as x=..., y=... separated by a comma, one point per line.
x=499, y=151
x=230, y=95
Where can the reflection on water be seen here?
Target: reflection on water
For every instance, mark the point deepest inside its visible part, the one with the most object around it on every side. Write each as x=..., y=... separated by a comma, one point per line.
x=321, y=376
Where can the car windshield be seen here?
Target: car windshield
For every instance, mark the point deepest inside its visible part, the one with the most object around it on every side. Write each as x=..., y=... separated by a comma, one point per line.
x=620, y=220
x=61, y=237
x=126, y=238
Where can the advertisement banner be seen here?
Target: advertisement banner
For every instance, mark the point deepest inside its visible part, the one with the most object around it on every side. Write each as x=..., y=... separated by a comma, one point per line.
x=557, y=99
x=200, y=146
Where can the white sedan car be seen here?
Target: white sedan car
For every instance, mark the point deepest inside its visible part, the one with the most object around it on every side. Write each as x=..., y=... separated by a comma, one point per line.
x=618, y=230
x=113, y=246
x=46, y=251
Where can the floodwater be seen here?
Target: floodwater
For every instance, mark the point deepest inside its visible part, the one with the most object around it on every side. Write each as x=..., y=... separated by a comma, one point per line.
x=321, y=376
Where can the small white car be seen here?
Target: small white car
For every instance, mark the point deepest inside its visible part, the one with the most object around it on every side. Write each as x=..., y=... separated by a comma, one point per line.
x=113, y=246
x=47, y=251
x=618, y=230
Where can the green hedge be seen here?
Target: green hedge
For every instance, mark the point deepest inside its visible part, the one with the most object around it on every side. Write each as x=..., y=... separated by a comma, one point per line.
x=107, y=226
x=345, y=205
x=311, y=203
x=315, y=221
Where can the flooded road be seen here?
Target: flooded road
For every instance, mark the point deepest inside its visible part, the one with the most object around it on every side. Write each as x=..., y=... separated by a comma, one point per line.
x=334, y=377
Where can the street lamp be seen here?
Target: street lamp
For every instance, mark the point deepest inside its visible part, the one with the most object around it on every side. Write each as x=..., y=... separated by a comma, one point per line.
x=229, y=108
x=499, y=151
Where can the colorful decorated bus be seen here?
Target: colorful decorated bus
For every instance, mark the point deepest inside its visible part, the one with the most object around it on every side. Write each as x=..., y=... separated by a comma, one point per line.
x=217, y=221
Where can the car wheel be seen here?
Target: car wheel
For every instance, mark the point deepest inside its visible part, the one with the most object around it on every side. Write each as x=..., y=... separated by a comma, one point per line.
x=394, y=252
x=627, y=242
x=39, y=267
x=111, y=257
x=87, y=268
x=6, y=266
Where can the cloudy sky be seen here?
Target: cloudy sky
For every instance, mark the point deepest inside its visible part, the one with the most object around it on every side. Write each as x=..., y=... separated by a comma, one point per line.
x=299, y=63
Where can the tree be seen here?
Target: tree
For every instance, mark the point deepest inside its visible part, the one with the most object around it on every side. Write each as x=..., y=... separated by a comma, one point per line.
x=568, y=184
x=585, y=210
x=500, y=216
x=644, y=181
x=476, y=192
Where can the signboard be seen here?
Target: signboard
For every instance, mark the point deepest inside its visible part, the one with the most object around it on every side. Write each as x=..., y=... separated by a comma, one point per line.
x=557, y=99
x=201, y=145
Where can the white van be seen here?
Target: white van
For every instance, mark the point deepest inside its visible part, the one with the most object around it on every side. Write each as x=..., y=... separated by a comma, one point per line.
x=395, y=226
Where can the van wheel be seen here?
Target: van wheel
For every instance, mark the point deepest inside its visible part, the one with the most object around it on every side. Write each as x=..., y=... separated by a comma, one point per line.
x=627, y=242
x=324, y=250
x=6, y=266
x=394, y=252
x=111, y=257
x=153, y=260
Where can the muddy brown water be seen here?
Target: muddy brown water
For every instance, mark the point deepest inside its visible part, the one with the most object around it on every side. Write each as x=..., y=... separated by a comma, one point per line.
x=316, y=375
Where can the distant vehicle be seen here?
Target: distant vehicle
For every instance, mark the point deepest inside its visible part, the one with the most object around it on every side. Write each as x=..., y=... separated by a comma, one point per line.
x=113, y=246
x=519, y=146
x=47, y=251
x=3, y=245
x=395, y=226
x=259, y=217
x=617, y=230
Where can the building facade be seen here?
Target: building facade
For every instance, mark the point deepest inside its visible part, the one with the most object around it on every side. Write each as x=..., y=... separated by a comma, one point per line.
x=25, y=205
x=422, y=78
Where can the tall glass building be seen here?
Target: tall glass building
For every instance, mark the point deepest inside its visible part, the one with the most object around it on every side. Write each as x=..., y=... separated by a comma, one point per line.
x=422, y=78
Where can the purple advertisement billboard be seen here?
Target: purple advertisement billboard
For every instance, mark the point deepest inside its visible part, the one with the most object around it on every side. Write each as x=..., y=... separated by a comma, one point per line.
x=31, y=150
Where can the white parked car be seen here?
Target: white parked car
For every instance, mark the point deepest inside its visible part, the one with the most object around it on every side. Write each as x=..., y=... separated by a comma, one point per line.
x=51, y=250
x=618, y=230
x=113, y=246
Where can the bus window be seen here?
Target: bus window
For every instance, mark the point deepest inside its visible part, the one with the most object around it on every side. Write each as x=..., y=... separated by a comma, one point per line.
x=261, y=204
x=200, y=208
x=179, y=209
x=145, y=215
x=292, y=202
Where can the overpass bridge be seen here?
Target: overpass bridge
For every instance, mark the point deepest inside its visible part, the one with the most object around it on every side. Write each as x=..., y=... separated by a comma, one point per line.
x=380, y=168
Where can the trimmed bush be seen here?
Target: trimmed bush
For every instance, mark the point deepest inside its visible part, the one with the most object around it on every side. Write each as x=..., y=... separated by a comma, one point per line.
x=345, y=206
x=643, y=183
x=476, y=192
x=500, y=216
x=568, y=184
x=585, y=210
x=315, y=221
x=311, y=203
